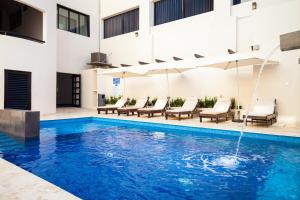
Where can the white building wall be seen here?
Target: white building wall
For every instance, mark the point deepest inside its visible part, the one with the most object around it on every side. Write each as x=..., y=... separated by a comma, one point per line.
x=63, y=52
x=208, y=34
x=39, y=59
x=212, y=34
x=74, y=50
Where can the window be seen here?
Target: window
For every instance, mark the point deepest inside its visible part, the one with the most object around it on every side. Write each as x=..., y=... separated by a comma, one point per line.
x=83, y=26
x=121, y=24
x=63, y=22
x=236, y=2
x=171, y=10
x=19, y=20
x=73, y=21
x=167, y=11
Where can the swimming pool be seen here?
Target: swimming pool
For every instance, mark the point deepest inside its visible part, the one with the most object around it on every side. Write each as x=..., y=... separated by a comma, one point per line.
x=97, y=158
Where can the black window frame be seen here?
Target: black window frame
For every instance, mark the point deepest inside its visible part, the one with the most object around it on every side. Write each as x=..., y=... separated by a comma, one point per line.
x=236, y=2
x=79, y=14
x=122, y=16
x=11, y=33
x=182, y=10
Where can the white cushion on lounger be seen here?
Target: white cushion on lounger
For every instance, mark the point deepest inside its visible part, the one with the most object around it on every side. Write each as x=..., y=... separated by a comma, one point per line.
x=222, y=106
x=263, y=108
x=160, y=104
x=141, y=103
x=211, y=112
x=120, y=103
x=189, y=105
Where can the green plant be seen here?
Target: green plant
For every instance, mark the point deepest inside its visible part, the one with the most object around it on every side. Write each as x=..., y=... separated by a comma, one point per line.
x=177, y=102
x=152, y=102
x=112, y=99
x=132, y=102
x=207, y=102
x=233, y=104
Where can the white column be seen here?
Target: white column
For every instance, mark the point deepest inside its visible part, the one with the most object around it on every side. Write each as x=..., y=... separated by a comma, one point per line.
x=145, y=35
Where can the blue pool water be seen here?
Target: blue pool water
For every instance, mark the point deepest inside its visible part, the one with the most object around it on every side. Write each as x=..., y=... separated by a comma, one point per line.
x=113, y=159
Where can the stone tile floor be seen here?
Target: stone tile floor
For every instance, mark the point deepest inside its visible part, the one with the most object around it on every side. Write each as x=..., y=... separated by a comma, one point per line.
x=278, y=128
x=18, y=184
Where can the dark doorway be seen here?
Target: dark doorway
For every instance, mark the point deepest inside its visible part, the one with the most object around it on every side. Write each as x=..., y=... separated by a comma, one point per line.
x=68, y=90
x=17, y=94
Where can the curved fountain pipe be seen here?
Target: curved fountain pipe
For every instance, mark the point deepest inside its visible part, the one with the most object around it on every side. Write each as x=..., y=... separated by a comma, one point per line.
x=254, y=96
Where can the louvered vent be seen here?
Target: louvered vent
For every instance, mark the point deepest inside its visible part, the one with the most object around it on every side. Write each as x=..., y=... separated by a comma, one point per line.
x=17, y=90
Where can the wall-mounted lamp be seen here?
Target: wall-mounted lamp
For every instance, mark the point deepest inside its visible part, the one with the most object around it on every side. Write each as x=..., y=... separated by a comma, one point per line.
x=254, y=5
x=255, y=47
x=136, y=34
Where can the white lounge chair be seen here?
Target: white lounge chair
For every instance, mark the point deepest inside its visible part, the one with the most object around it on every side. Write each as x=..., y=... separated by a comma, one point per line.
x=263, y=111
x=141, y=103
x=120, y=103
x=220, y=110
x=159, y=107
x=188, y=108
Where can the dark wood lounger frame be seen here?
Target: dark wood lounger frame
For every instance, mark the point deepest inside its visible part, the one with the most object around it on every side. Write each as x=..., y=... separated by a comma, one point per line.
x=106, y=110
x=190, y=114
x=127, y=111
x=214, y=116
x=268, y=120
x=150, y=112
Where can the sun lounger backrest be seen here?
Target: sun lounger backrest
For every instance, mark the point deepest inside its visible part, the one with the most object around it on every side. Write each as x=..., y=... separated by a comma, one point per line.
x=160, y=104
x=222, y=106
x=190, y=104
x=120, y=103
x=141, y=103
x=264, y=106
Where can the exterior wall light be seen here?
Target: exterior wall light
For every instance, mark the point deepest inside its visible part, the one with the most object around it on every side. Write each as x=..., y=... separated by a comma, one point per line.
x=136, y=34
x=255, y=47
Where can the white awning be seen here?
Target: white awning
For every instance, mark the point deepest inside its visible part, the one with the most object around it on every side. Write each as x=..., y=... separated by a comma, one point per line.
x=229, y=61
x=223, y=62
x=124, y=72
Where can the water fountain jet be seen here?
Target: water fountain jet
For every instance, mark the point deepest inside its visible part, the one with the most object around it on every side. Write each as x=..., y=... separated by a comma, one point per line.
x=254, y=96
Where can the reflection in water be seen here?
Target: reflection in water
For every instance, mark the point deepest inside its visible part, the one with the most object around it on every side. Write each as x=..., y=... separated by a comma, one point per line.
x=159, y=135
x=19, y=145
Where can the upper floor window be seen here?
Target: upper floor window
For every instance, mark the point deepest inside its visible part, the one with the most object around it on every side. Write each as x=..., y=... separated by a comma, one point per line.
x=121, y=24
x=235, y=2
x=73, y=21
x=19, y=20
x=171, y=10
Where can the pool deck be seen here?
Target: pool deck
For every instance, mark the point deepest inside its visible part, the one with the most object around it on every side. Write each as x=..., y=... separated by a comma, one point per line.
x=278, y=128
x=18, y=184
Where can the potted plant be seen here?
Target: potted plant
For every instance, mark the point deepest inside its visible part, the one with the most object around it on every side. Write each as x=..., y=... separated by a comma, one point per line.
x=177, y=102
x=112, y=99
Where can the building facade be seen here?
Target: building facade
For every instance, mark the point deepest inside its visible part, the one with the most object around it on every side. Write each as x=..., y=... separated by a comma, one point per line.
x=57, y=51
x=237, y=25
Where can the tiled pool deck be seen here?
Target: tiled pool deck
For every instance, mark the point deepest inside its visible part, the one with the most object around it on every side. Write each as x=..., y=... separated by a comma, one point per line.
x=16, y=183
x=276, y=129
